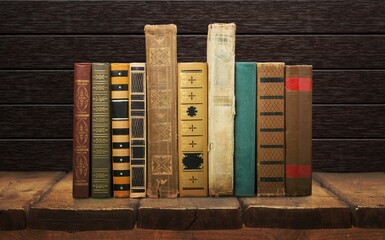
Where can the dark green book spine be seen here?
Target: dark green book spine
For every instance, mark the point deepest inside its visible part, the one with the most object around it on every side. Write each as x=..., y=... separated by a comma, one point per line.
x=101, y=131
x=245, y=127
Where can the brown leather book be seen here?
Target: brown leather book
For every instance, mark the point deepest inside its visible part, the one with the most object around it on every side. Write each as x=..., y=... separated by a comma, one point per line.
x=298, y=130
x=161, y=62
x=81, y=130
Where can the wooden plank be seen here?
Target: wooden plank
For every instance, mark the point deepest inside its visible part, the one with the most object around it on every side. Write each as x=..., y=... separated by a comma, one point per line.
x=59, y=211
x=363, y=192
x=190, y=213
x=322, y=51
x=18, y=191
x=192, y=16
x=320, y=210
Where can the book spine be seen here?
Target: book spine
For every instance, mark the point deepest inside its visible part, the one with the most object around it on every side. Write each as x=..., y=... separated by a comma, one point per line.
x=271, y=129
x=101, y=131
x=161, y=62
x=221, y=109
x=245, y=127
x=81, y=130
x=298, y=130
x=138, y=127
x=192, y=129
x=120, y=129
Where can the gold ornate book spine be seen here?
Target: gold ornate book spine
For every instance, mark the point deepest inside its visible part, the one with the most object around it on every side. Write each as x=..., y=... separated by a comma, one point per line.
x=161, y=62
x=221, y=108
x=138, y=145
x=270, y=129
x=120, y=129
x=101, y=131
x=192, y=129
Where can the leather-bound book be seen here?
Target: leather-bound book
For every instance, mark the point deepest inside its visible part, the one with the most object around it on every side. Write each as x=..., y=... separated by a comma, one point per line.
x=120, y=129
x=138, y=124
x=245, y=128
x=161, y=62
x=192, y=129
x=81, y=130
x=271, y=129
x=101, y=131
x=298, y=130
x=221, y=107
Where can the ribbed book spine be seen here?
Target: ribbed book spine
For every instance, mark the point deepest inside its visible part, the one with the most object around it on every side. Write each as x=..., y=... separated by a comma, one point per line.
x=120, y=129
x=101, y=131
x=271, y=129
x=221, y=108
x=161, y=62
x=298, y=130
x=192, y=129
x=138, y=125
x=245, y=127
x=81, y=130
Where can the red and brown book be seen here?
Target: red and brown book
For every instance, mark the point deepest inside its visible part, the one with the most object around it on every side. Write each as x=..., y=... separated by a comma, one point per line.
x=298, y=130
x=81, y=130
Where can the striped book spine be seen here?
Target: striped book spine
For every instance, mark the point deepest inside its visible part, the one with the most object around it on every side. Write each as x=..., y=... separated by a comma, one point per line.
x=138, y=130
x=270, y=129
x=120, y=129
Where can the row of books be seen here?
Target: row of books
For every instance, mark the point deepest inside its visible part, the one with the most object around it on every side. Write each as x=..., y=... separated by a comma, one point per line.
x=163, y=129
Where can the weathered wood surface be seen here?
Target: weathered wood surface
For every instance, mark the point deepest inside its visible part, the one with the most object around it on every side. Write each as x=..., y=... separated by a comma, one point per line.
x=190, y=213
x=18, y=191
x=59, y=211
x=363, y=192
x=320, y=210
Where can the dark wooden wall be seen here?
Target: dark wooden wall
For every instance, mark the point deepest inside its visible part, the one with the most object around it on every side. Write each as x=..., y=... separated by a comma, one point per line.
x=344, y=40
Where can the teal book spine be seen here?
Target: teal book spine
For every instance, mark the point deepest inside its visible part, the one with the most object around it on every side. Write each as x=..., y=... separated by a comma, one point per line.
x=245, y=127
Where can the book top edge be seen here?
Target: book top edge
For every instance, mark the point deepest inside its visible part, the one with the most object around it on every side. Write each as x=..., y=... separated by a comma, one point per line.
x=299, y=66
x=222, y=25
x=160, y=28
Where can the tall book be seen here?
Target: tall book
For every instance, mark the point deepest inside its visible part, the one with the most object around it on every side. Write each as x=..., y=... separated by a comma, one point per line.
x=101, y=131
x=298, y=130
x=161, y=62
x=271, y=129
x=245, y=127
x=81, y=130
x=192, y=129
x=221, y=108
x=138, y=145
x=120, y=129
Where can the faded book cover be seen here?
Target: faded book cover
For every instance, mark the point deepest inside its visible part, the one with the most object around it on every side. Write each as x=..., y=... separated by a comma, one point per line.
x=221, y=107
x=161, y=62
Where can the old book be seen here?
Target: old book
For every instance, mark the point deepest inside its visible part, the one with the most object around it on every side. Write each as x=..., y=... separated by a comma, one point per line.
x=138, y=125
x=81, y=130
x=245, y=128
x=298, y=130
x=221, y=108
x=120, y=129
x=192, y=129
x=101, y=131
x=270, y=129
x=161, y=62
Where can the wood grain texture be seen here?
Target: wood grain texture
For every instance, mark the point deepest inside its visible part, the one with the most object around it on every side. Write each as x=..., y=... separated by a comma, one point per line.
x=192, y=17
x=363, y=192
x=321, y=51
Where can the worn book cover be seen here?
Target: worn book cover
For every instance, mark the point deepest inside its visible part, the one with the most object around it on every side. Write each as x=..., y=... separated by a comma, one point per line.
x=221, y=107
x=298, y=130
x=161, y=62
x=192, y=128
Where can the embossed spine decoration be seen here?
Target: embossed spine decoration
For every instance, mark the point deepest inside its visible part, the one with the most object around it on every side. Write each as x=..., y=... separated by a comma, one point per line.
x=270, y=129
x=120, y=129
x=298, y=130
x=221, y=108
x=138, y=145
x=101, y=131
x=192, y=129
x=161, y=62
x=81, y=130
